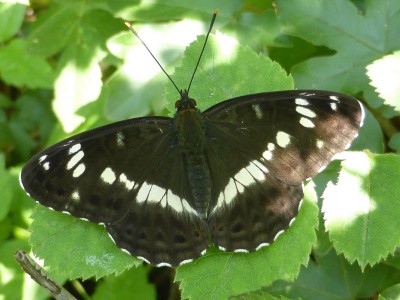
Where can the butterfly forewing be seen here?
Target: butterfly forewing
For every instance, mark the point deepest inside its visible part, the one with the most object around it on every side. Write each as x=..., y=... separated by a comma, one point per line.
x=128, y=176
x=261, y=148
x=292, y=133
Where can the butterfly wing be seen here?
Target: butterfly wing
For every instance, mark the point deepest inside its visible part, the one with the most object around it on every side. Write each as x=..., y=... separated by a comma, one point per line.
x=261, y=148
x=129, y=163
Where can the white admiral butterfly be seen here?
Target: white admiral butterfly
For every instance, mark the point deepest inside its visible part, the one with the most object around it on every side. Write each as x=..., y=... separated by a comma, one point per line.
x=164, y=188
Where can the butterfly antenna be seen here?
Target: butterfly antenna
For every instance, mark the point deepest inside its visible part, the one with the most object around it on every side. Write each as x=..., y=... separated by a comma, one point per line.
x=204, y=46
x=144, y=44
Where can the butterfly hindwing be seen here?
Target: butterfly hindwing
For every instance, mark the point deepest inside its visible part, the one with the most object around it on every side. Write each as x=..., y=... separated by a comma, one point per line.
x=256, y=215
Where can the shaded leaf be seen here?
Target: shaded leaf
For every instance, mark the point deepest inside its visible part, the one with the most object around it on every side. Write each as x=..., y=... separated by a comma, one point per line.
x=20, y=68
x=357, y=38
x=133, y=282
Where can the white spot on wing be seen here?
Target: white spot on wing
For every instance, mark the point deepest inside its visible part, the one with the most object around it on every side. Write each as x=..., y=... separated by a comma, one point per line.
x=306, y=122
x=258, y=111
x=142, y=258
x=75, y=148
x=244, y=177
x=188, y=208
x=108, y=176
x=21, y=183
x=262, y=245
x=46, y=166
x=75, y=159
x=255, y=171
x=164, y=264
x=42, y=158
x=230, y=191
x=334, y=98
x=143, y=192
x=282, y=139
x=78, y=171
x=301, y=101
x=111, y=238
x=120, y=139
x=156, y=193
x=174, y=202
x=126, y=251
x=333, y=106
x=124, y=180
x=163, y=201
x=220, y=202
x=241, y=251
x=268, y=153
x=362, y=114
x=320, y=144
x=306, y=112
x=260, y=166
x=278, y=234
x=75, y=196
x=186, y=261
x=271, y=146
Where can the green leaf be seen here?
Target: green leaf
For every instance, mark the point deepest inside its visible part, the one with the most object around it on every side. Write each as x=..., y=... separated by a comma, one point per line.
x=78, y=83
x=357, y=38
x=53, y=29
x=385, y=77
x=20, y=68
x=132, y=282
x=391, y=293
x=331, y=277
x=11, y=17
x=227, y=70
x=176, y=9
x=394, y=142
x=76, y=248
x=6, y=192
x=363, y=208
x=139, y=83
x=370, y=128
x=223, y=274
x=79, y=75
x=263, y=24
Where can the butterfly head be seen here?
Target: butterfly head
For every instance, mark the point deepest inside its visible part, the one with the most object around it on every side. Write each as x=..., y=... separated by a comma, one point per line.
x=185, y=103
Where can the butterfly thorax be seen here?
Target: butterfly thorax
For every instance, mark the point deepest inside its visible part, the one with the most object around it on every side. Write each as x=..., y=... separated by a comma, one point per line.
x=190, y=128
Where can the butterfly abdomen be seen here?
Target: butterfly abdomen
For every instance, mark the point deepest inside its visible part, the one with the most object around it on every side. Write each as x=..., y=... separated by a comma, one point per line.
x=189, y=124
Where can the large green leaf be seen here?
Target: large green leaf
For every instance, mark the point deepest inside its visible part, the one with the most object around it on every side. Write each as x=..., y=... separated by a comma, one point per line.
x=221, y=275
x=357, y=37
x=18, y=67
x=385, y=77
x=362, y=210
x=11, y=17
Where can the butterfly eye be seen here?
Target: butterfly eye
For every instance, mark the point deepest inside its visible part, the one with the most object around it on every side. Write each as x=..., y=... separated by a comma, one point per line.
x=178, y=104
x=193, y=102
